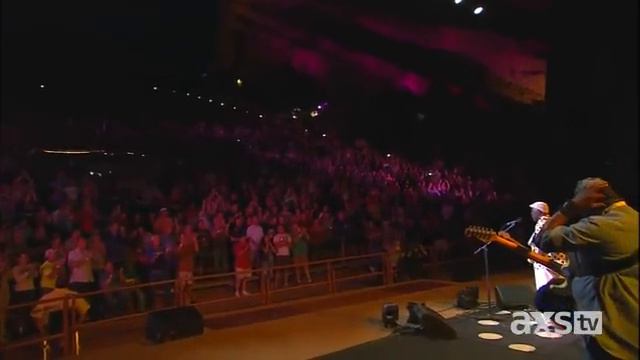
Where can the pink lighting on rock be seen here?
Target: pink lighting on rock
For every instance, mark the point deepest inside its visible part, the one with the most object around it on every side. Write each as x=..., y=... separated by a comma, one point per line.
x=309, y=62
x=511, y=60
x=413, y=83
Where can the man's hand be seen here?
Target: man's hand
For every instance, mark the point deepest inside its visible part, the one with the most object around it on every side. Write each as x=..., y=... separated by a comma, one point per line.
x=591, y=195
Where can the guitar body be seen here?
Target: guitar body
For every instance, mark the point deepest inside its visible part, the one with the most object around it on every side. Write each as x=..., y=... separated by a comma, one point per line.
x=556, y=294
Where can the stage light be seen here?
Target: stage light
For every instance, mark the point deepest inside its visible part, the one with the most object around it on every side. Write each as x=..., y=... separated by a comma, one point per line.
x=388, y=155
x=41, y=86
x=294, y=117
x=188, y=94
x=173, y=91
x=237, y=140
x=239, y=82
x=155, y=88
x=221, y=104
x=390, y=315
x=478, y=10
x=210, y=100
x=235, y=108
x=73, y=152
x=457, y=2
x=324, y=135
x=314, y=113
x=199, y=97
x=319, y=107
x=260, y=116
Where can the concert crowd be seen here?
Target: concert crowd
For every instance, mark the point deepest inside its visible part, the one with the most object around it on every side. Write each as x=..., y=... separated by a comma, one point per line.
x=295, y=195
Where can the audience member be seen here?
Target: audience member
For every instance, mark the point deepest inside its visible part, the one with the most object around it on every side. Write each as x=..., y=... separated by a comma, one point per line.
x=24, y=274
x=282, y=244
x=255, y=234
x=49, y=272
x=300, y=252
x=242, y=256
x=187, y=250
x=80, y=259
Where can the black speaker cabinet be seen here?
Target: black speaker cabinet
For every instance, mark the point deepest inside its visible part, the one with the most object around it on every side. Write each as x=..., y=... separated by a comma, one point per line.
x=173, y=324
x=390, y=315
x=512, y=297
x=431, y=323
x=468, y=298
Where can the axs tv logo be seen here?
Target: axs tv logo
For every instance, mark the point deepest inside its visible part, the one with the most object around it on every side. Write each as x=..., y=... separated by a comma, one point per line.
x=577, y=322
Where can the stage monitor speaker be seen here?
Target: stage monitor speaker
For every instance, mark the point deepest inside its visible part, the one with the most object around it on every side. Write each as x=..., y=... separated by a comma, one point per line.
x=430, y=323
x=512, y=297
x=468, y=298
x=390, y=315
x=173, y=324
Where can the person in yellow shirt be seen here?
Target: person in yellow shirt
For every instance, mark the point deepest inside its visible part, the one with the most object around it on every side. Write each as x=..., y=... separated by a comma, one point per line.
x=53, y=304
x=49, y=272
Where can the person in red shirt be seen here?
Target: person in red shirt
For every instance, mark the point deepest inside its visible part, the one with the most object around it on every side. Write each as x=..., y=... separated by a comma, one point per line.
x=86, y=218
x=242, y=259
x=163, y=224
x=186, y=257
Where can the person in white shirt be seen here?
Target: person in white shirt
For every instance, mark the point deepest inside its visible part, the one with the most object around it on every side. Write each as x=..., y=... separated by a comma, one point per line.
x=255, y=233
x=540, y=214
x=80, y=264
x=282, y=244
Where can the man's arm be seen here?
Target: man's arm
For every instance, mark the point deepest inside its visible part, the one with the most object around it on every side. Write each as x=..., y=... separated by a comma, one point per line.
x=558, y=236
x=48, y=272
x=543, y=240
x=554, y=235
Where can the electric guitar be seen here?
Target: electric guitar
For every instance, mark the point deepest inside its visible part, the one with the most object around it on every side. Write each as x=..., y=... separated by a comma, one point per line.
x=488, y=235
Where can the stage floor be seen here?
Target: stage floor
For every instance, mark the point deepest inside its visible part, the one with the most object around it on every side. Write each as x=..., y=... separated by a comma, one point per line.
x=321, y=332
x=467, y=346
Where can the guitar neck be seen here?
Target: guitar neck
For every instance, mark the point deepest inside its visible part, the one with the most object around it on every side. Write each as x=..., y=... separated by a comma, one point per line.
x=524, y=251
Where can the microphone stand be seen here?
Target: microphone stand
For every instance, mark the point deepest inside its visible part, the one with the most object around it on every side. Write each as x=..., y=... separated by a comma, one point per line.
x=485, y=249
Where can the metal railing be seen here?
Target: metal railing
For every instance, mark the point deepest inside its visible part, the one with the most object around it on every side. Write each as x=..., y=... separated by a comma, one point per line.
x=330, y=278
x=69, y=336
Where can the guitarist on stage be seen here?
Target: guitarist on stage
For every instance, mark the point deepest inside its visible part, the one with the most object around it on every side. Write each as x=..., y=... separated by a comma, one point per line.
x=599, y=232
x=552, y=291
x=540, y=215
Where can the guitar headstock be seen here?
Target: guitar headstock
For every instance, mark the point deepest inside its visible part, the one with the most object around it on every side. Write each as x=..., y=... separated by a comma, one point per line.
x=481, y=233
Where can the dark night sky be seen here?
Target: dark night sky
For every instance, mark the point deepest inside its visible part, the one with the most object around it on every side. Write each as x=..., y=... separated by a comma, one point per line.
x=98, y=53
x=76, y=45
